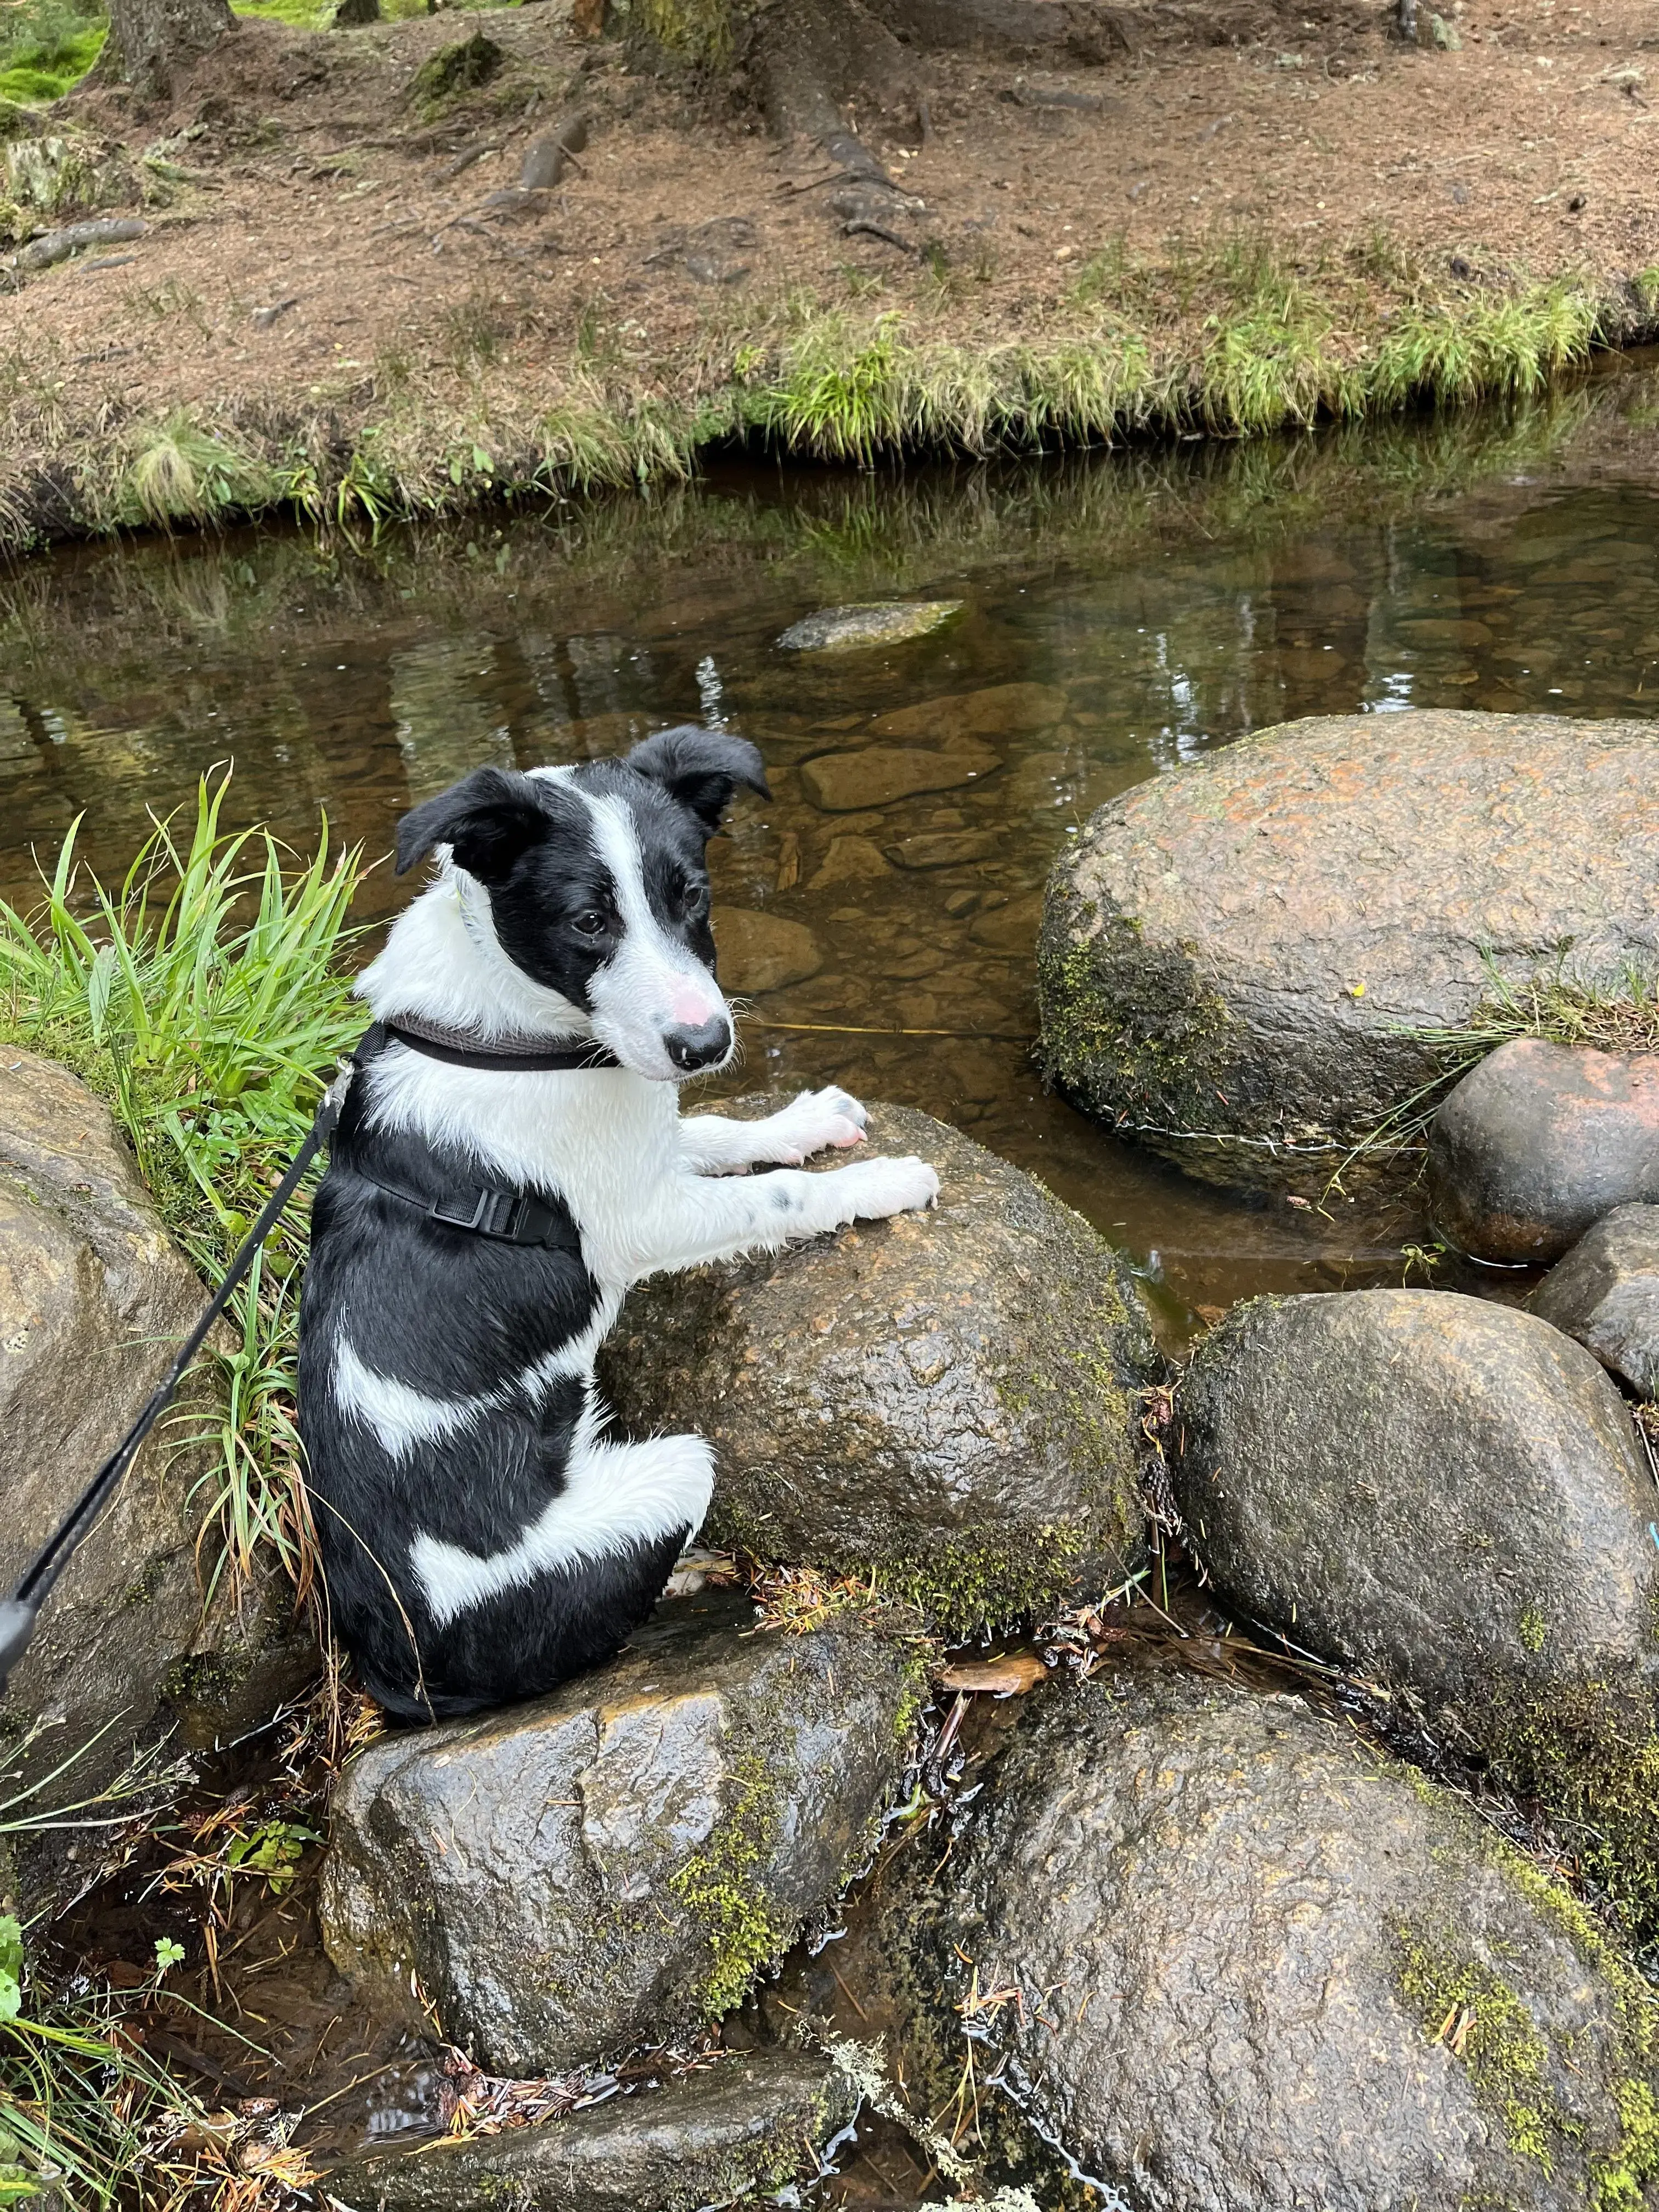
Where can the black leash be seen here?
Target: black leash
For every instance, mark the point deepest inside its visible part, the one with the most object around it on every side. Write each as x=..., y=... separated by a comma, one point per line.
x=512, y=1216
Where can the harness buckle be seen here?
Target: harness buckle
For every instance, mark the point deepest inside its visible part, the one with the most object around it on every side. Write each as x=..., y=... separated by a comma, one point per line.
x=441, y=1209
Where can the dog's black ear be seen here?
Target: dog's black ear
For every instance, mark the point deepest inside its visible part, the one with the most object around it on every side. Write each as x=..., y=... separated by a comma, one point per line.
x=486, y=819
x=701, y=769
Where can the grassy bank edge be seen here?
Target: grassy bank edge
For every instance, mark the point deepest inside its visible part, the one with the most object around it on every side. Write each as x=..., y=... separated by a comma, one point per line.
x=824, y=385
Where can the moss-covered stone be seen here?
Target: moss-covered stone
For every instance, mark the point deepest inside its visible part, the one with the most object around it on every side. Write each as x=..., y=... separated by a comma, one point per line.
x=454, y=69
x=943, y=1405
x=1210, y=982
x=1588, y=1752
x=1447, y=1495
x=1219, y=1952
x=737, y=2131
x=613, y=1865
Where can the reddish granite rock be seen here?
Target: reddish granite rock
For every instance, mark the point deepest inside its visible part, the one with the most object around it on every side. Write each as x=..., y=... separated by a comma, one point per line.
x=1537, y=1143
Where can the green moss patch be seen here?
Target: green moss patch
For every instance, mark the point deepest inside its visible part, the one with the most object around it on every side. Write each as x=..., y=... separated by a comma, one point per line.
x=454, y=69
x=723, y=1886
x=1589, y=1755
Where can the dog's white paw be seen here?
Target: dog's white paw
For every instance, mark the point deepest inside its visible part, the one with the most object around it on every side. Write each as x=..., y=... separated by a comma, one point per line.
x=884, y=1186
x=816, y=1120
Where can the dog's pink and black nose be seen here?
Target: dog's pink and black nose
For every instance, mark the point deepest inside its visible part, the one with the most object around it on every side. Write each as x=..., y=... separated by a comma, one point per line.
x=692, y=1048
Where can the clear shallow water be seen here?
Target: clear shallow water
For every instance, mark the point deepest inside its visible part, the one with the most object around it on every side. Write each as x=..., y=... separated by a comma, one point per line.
x=1149, y=608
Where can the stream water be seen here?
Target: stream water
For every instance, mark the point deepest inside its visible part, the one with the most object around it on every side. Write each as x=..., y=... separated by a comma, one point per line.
x=1146, y=607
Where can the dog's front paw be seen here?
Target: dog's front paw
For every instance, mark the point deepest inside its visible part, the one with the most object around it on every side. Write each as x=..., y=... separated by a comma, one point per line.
x=818, y=1119
x=884, y=1186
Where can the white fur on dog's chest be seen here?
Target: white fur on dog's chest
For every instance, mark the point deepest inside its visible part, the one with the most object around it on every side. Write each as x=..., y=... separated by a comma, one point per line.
x=600, y=1139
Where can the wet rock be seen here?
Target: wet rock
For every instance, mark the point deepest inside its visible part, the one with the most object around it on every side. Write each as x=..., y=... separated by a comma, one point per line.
x=1442, y=1493
x=946, y=1398
x=841, y=783
x=1235, y=956
x=1537, y=1143
x=888, y=622
x=762, y=952
x=1605, y=1293
x=1010, y=928
x=848, y=861
x=611, y=1865
x=1233, y=1960
x=942, y=848
x=753, y=2123
x=93, y=1295
x=998, y=711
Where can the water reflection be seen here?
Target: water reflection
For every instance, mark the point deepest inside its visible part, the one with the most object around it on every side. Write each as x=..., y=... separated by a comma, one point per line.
x=1124, y=614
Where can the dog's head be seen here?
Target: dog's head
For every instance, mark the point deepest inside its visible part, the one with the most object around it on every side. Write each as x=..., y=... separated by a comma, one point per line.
x=598, y=886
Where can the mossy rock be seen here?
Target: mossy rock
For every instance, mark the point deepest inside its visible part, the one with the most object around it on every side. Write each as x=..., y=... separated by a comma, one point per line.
x=741, y=2129
x=1232, y=1959
x=946, y=1401
x=1446, y=1496
x=1241, y=961
x=454, y=69
x=612, y=1865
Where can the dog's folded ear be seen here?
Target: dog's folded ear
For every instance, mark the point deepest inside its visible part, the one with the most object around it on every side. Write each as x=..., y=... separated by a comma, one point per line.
x=701, y=769
x=486, y=819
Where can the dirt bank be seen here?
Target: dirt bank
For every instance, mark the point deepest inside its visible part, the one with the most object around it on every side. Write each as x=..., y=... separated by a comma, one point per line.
x=1246, y=215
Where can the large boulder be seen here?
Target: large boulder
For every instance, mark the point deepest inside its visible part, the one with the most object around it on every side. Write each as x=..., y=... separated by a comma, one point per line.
x=1443, y=1493
x=611, y=1865
x=947, y=1399
x=1222, y=1955
x=754, y=2123
x=1605, y=1293
x=1235, y=957
x=1446, y=1496
x=93, y=1297
x=1537, y=1143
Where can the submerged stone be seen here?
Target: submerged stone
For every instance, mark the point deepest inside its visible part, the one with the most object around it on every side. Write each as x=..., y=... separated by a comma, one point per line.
x=947, y=1399
x=1441, y=1493
x=1537, y=1143
x=844, y=783
x=1239, y=959
x=1227, y=1958
x=1000, y=710
x=753, y=2123
x=762, y=952
x=1605, y=1293
x=885, y=622
x=611, y=1866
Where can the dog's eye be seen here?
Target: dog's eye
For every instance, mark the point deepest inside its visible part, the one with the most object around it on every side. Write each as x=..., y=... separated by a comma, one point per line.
x=589, y=923
x=695, y=898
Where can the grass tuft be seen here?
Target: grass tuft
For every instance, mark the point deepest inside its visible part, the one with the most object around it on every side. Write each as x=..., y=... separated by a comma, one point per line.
x=203, y=1000
x=47, y=46
x=179, y=471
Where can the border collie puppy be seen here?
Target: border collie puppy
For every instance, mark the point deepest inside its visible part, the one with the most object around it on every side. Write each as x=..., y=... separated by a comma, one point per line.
x=510, y=1159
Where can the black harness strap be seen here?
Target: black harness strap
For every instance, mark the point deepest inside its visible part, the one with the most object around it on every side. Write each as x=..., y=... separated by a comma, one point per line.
x=513, y=1217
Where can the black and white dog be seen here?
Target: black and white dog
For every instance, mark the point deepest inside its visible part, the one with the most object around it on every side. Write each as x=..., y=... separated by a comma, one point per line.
x=510, y=1159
